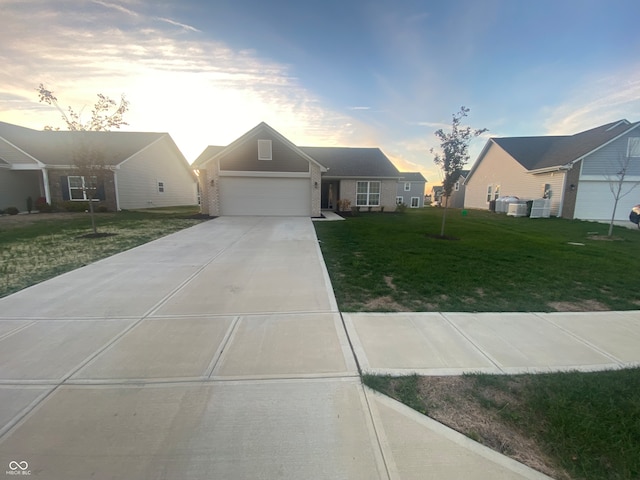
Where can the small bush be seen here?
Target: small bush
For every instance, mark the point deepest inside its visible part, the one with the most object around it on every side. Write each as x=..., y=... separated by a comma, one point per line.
x=42, y=206
x=12, y=210
x=401, y=207
x=102, y=209
x=344, y=205
x=71, y=206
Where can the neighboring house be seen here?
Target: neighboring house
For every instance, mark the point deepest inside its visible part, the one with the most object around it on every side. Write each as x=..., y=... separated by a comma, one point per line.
x=456, y=199
x=146, y=169
x=411, y=189
x=574, y=171
x=436, y=195
x=263, y=173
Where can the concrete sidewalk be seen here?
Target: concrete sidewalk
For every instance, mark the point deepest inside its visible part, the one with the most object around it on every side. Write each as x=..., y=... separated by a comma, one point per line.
x=215, y=352
x=457, y=343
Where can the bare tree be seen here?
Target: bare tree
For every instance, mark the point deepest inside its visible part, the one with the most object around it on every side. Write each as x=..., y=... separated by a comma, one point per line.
x=89, y=161
x=617, y=184
x=453, y=154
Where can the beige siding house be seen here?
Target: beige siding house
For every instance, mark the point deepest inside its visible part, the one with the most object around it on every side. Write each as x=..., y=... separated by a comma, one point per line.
x=141, y=170
x=263, y=173
x=573, y=171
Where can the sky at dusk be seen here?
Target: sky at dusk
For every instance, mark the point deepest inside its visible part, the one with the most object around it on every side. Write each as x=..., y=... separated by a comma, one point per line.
x=384, y=73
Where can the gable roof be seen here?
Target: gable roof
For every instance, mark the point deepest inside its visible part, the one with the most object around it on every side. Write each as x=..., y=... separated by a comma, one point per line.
x=557, y=151
x=213, y=152
x=353, y=162
x=206, y=155
x=56, y=148
x=413, y=177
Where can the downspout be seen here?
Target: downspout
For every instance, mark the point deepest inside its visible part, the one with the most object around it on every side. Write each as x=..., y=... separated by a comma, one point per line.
x=45, y=180
x=115, y=187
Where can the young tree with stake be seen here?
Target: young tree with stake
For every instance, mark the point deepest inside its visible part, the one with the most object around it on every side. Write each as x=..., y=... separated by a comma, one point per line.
x=89, y=161
x=453, y=154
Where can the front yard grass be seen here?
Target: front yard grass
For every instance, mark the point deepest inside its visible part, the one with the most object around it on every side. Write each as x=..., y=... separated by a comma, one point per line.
x=568, y=425
x=388, y=262
x=36, y=247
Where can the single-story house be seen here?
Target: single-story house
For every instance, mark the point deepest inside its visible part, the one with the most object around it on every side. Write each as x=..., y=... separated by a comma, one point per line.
x=263, y=173
x=143, y=170
x=411, y=189
x=574, y=171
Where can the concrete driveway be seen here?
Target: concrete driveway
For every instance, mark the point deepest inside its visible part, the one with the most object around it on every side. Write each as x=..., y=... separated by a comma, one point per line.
x=215, y=352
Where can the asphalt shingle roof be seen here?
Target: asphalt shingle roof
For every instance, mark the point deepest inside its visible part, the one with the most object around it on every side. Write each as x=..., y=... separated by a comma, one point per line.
x=536, y=153
x=413, y=177
x=353, y=162
x=59, y=147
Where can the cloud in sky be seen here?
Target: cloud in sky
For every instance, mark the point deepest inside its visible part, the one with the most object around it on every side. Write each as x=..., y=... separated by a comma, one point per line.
x=388, y=76
x=201, y=91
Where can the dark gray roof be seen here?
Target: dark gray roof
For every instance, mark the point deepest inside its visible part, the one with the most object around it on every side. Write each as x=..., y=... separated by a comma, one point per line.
x=353, y=162
x=206, y=155
x=535, y=153
x=59, y=147
x=413, y=177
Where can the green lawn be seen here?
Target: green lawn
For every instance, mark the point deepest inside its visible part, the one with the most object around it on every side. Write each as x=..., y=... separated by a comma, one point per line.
x=40, y=246
x=388, y=262
x=584, y=425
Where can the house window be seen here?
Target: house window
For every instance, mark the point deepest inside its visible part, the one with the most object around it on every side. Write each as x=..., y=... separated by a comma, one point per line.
x=160, y=187
x=367, y=194
x=399, y=200
x=633, y=149
x=79, y=187
x=456, y=186
x=496, y=192
x=489, y=193
x=407, y=186
x=415, y=202
x=264, y=150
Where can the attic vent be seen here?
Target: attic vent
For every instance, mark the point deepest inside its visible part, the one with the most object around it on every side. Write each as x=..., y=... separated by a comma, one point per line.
x=264, y=150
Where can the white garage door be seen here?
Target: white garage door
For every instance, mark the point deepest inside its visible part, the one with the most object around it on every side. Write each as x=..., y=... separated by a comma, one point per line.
x=265, y=196
x=595, y=201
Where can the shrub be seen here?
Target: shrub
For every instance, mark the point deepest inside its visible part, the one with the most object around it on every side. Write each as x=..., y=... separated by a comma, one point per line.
x=42, y=206
x=12, y=210
x=102, y=209
x=401, y=207
x=71, y=206
x=344, y=205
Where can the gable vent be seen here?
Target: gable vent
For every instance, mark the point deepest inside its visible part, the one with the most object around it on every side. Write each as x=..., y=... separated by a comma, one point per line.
x=264, y=150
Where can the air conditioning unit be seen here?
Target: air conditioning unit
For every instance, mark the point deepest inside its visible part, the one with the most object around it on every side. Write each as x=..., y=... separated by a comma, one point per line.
x=517, y=209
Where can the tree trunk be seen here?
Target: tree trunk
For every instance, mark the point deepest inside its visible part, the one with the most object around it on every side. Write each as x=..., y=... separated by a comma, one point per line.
x=444, y=215
x=93, y=219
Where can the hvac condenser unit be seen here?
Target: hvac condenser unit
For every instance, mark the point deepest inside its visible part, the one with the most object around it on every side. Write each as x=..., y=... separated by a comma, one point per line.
x=518, y=209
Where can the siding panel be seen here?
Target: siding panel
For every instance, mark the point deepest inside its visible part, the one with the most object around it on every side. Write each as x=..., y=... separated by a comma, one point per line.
x=139, y=176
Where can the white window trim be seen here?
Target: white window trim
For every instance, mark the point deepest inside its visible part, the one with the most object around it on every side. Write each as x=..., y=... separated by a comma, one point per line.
x=399, y=200
x=496, y=192
x=369, y=193
x=83, y=189
x=162, y=187
x=265, y=150
x=489, y=193
x=407, y=186
x=633, y=147
x=456, y=187
x=417, y=202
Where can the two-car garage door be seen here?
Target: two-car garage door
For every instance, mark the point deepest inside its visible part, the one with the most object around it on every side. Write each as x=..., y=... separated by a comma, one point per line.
x=265, y=196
